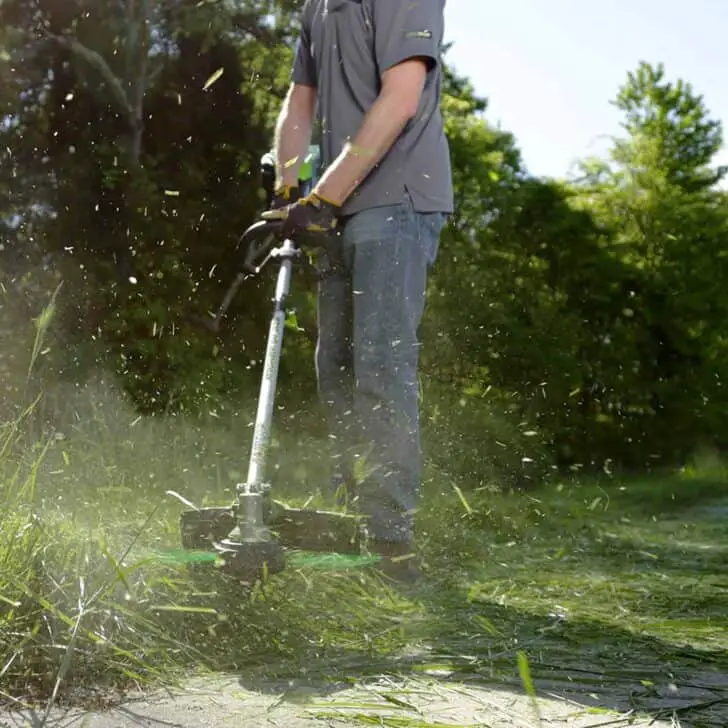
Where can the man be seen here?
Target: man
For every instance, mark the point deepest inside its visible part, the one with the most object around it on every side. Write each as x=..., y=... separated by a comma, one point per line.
x=370, y=71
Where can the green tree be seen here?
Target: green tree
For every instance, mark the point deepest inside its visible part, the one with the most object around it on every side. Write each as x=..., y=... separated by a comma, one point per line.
x=132, y=134
x=667, y=221
x=671, y=136
x=502, y=328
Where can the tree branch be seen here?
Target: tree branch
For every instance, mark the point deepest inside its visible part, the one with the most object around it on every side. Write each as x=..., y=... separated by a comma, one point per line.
x=96, y=61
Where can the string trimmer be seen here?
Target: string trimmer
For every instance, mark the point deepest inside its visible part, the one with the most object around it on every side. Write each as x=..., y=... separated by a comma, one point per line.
x=252, y=536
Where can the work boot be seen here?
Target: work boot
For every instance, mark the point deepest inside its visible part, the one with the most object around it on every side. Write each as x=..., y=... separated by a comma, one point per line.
x=399, y=562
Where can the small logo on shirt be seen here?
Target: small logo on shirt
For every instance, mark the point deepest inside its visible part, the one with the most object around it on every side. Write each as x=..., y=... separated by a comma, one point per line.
x=425, y=34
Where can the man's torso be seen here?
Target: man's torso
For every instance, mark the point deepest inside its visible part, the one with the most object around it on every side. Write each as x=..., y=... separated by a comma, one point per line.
x=343, y=38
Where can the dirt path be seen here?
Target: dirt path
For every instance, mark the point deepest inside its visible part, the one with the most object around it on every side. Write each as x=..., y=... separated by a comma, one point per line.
x=216, y=703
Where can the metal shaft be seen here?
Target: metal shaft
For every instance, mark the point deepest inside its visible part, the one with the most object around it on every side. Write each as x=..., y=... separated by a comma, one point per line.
x=266, y=400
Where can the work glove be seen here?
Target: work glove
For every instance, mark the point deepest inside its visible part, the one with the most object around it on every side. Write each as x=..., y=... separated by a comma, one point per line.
x=284, y=195
x=311, y=215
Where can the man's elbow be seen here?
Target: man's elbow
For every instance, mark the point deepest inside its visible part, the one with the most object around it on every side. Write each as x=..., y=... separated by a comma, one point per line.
x=410, y=104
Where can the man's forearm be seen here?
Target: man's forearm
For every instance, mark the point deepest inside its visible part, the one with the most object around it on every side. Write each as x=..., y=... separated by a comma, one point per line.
x=292, y=137
x=380, y=129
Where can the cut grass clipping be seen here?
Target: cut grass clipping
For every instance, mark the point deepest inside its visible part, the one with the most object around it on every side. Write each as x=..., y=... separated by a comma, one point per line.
x=615, y=589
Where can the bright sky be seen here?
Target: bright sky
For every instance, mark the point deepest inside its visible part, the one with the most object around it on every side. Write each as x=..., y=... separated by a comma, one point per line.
x=550, y=67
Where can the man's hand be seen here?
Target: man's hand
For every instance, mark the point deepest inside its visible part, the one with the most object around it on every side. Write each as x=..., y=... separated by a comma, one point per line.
x=309, y=215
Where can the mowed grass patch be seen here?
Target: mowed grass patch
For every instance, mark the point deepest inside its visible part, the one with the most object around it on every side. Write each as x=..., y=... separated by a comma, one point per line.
x=646, y=554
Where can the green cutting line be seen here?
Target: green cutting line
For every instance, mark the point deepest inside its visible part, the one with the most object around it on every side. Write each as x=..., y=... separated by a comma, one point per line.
x=299, y=559
x=185, y=556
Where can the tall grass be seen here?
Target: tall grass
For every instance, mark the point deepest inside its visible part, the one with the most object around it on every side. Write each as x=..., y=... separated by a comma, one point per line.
x=66, y=595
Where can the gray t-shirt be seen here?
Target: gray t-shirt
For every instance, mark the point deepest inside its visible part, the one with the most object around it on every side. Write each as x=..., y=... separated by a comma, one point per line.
x=344, y=46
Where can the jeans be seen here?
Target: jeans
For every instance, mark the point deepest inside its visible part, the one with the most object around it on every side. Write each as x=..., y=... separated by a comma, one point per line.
x=369, y=312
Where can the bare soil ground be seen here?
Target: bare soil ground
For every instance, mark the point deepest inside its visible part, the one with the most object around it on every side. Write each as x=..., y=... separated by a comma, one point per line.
x=214, y=703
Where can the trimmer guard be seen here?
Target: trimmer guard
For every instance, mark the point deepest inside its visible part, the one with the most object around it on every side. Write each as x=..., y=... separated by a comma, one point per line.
x=309, y=530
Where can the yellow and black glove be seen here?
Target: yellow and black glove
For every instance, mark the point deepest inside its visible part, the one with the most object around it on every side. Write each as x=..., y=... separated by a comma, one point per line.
x=308, y=215
x=284, y=195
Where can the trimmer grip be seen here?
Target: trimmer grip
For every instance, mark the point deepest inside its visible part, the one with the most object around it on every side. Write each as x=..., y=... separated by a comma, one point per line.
x=258, y=241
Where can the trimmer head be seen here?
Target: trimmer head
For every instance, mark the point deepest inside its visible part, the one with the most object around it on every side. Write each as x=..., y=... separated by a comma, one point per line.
x=251, y=561
x=215, y=529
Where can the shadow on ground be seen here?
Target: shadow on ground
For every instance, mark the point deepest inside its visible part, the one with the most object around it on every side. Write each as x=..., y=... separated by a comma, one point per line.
x=585, y=662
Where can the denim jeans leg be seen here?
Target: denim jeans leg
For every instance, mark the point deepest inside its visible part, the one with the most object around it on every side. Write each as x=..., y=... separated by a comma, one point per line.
x=392, y=249
x=334, y=363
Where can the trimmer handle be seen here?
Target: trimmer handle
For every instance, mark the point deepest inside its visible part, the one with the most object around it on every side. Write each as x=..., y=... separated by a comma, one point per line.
x=259, y=240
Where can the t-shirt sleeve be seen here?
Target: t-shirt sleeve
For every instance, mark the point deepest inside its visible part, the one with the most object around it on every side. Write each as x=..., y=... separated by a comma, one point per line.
x=304, y=70
x=407, y=29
